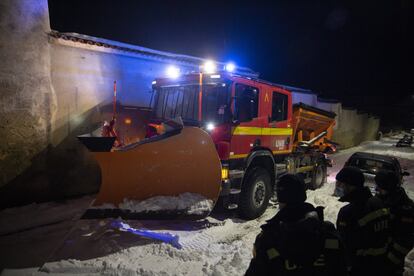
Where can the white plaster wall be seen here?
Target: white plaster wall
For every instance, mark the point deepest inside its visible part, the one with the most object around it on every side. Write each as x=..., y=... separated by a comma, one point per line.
x=83, y=79
x=309, y=99
x=332, y=107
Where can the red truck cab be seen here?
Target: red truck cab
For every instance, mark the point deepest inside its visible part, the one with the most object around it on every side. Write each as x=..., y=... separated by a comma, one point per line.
x=240, y=113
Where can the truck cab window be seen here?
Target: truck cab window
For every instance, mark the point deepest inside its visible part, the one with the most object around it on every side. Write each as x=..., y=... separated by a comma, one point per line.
x=247, y=102
x=279, y=107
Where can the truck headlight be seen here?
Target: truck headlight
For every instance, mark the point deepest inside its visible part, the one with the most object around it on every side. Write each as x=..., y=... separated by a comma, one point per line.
x=210, y=126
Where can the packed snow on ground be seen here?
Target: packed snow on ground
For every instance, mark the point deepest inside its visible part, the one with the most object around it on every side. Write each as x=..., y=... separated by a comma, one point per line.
x=223, y=247
x=34, y=215
x=190, y=203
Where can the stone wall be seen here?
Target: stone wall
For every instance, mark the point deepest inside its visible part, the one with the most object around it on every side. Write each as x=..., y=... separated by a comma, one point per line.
x=27, y=99
x=354, y=128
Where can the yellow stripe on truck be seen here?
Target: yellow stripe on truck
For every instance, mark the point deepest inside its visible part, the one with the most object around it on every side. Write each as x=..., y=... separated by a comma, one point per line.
x=243, y=155
x=281, y=151
x=240, y=130
x=304, y=169
x=276, y=131
x=237, y=156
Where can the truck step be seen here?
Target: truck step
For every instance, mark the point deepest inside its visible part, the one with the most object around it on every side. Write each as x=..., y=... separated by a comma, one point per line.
x=280, y=169
x=236, y=173
x=280, y=166
x=232, y=206
x=235, y=191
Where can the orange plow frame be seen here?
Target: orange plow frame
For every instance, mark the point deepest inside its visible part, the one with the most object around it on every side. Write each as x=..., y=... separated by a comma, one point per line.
x=186, y=162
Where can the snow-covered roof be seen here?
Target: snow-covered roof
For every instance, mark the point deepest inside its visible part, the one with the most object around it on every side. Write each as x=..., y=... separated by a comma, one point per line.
x=297, y=89
x=326, y=100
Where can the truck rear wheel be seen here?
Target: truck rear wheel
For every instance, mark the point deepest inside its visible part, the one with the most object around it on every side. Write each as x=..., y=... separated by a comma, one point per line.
x=255, y=194
x=318, y=176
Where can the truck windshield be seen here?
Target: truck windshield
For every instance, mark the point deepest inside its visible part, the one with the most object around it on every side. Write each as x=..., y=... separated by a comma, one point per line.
x=182, y=101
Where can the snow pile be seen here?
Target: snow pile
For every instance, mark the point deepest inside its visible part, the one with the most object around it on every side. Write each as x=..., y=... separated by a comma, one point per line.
x=224, y=249
x=190, y=203
x=323, y=197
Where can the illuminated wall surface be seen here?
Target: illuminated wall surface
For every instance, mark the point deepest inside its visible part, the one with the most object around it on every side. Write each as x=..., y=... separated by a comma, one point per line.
x=83, y=74
x=27, y=98
x=54, y=86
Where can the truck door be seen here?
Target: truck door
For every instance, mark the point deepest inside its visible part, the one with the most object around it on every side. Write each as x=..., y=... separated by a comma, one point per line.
x=279, y=131
x=246, y=112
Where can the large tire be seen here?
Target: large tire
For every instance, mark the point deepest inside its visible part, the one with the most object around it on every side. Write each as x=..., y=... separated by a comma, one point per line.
x=318, y=176
x=255, y=193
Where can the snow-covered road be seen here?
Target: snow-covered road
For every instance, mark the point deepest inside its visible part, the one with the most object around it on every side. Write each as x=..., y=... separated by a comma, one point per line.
x=219, y=245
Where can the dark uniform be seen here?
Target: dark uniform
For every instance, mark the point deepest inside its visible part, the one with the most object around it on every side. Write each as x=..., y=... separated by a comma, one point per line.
x=297, y=242
x=402, y=220
x=363, y=225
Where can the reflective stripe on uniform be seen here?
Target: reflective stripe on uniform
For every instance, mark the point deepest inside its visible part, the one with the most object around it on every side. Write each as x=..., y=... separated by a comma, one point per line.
x=341, y=223
x=400, y=248
x=393, y=258
x=272, y=253
x=331, y=244
x=289, y=266
x=373, y=215
x=371, y=251
x=320, y=261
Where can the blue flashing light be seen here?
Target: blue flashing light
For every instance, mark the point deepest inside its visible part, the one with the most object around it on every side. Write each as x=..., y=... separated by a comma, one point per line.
x=230, y=67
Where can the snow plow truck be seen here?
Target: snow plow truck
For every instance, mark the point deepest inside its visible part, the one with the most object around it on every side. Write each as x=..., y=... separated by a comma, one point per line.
x=220, y=135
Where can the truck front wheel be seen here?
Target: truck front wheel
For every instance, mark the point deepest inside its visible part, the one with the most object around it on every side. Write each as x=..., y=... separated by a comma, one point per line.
x=255, y=193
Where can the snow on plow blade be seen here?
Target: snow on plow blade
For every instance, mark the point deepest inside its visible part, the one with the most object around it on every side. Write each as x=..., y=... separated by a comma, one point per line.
x=177, y=174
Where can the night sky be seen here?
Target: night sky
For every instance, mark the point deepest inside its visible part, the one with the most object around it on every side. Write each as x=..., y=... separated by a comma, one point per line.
x=359, y=52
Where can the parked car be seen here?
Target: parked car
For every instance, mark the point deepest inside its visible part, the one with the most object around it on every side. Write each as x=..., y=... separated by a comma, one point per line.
x=371, y=164
x=406, y=141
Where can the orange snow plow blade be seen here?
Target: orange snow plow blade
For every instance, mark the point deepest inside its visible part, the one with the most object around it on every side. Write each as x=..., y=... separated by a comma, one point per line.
x=167, y=165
